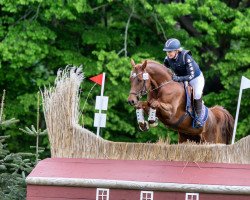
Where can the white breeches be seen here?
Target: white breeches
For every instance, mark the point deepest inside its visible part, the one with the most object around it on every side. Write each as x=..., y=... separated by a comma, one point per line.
x=198, y=85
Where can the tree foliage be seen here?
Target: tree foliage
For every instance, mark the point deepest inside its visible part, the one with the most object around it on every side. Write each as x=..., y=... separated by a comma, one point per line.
x=14, y=167
x=38, y=37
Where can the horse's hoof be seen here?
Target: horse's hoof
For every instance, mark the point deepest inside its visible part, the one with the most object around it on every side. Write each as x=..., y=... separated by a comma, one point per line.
x=144, y=126
x=153, y=123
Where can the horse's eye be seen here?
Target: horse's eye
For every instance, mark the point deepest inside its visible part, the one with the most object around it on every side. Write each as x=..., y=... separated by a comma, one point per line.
x=139, y=80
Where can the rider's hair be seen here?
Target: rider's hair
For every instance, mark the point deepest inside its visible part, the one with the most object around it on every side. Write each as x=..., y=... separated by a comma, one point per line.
x=180, y=49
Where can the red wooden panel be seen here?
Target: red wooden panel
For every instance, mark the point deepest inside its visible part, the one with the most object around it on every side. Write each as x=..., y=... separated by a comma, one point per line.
x=145, y=171
x=169, y=195
x=158, y=195
x=129, y=170
x=66, y=193
x=222, y=197
x=44, y=192
x=55, y=198
x=119, y=194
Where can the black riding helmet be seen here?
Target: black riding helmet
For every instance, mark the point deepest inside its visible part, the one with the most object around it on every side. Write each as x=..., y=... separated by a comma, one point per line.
x=172, y=44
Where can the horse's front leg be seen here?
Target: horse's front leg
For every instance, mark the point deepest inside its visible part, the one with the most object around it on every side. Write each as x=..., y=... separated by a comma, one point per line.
x=165, y=109
x=141, y=108
x=152, y=119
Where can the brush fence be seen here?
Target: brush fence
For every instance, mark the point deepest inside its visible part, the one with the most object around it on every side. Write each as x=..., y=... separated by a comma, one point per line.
x=70, y=140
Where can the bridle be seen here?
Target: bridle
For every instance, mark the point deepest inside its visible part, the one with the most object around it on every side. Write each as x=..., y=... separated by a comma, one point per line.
x=143, y=91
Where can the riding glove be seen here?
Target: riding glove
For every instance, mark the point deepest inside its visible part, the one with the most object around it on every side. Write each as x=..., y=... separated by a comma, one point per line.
x=176, y=78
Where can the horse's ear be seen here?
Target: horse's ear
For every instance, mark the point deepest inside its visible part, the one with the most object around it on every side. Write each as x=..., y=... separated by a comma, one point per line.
x=132, y=62
x=144, y=65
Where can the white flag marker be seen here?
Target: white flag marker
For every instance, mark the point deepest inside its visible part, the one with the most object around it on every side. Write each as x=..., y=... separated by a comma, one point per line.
x=245, y=83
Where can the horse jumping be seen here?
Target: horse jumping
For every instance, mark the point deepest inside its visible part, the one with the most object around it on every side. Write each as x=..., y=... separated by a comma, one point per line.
x=167, y=98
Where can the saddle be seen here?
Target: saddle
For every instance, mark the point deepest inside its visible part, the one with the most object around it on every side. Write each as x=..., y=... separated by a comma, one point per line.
x=190, y=110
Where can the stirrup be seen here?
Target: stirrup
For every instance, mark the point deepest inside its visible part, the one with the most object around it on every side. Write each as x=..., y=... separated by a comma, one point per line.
x=197, y=123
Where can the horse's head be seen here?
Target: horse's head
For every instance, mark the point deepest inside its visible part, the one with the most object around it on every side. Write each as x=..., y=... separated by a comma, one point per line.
x=140, y=82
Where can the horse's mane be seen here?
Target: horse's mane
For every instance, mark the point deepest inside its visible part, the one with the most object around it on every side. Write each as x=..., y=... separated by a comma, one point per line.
x=157, y=63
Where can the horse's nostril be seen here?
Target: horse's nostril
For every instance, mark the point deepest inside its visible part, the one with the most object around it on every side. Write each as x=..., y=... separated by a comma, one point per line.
x=131, y=102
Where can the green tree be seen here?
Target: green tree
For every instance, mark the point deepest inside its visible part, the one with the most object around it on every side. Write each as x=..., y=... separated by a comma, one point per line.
x=14, y=167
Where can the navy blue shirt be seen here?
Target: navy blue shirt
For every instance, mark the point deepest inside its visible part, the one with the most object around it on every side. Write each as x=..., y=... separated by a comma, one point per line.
x=183, y=66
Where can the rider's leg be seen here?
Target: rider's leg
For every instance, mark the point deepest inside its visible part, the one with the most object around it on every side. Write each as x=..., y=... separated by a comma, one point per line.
x=198, y=110
x=198, y=85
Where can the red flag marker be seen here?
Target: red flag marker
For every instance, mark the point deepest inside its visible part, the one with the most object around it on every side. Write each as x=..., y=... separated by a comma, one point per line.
x=100, y=118
x=97, y=79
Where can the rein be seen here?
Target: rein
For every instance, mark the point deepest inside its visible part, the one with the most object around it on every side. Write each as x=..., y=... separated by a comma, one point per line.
x=143, y=91
x=164, y=83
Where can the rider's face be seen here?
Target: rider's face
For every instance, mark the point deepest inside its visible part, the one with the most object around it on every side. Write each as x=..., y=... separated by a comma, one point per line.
x=171, y=54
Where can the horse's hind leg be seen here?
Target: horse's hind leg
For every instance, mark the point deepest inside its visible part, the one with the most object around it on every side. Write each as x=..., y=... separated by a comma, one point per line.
x=212, y=135
x=185, y=137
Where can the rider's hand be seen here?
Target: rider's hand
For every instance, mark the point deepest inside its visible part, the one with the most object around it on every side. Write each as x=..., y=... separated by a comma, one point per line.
x=176, y=78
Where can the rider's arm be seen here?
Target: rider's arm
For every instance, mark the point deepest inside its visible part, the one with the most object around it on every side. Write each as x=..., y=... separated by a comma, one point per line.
x=166, y=63
x=190, y=70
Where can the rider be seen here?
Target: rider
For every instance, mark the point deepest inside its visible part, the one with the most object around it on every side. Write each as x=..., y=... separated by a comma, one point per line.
x=185, y=69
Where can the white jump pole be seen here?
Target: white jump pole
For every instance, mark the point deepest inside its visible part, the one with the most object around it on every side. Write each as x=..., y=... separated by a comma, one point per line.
x=245, y=83
x=100, y=109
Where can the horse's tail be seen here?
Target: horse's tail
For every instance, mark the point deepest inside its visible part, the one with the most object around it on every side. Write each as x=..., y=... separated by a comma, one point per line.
x=225, y=122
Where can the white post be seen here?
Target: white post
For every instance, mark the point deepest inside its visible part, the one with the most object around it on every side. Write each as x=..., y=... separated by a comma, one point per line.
x=100, y=109
x=245, y=83
x=236, y=116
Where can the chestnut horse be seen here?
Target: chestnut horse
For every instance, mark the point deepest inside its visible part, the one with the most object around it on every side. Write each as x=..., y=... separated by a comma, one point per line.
x=168, y=98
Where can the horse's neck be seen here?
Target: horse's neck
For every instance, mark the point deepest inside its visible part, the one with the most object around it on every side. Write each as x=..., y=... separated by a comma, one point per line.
x=159, y=75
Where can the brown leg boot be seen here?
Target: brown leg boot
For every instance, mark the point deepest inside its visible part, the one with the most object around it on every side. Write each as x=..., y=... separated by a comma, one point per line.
x=198, y=110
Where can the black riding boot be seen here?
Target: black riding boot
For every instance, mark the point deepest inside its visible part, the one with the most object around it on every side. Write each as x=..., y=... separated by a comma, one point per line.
x=198, y=110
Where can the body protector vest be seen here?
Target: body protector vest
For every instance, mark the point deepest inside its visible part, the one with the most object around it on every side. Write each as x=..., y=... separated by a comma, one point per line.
x=183, y=66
